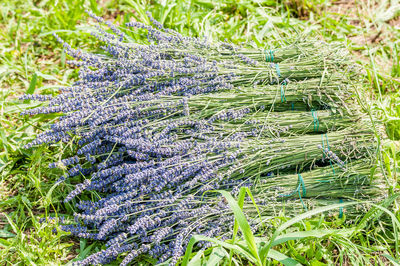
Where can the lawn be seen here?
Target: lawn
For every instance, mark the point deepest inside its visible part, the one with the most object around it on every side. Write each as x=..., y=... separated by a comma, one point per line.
x=32, y=61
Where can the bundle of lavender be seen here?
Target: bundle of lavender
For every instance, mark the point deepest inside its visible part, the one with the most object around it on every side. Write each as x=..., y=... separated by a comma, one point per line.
x=161, y=225
x=158, y=123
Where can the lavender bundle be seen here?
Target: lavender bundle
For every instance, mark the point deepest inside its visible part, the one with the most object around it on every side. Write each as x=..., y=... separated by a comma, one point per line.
x=93, y=117
x=159, y=122
x=162, y=226
x=200, y=164
x=353, y=181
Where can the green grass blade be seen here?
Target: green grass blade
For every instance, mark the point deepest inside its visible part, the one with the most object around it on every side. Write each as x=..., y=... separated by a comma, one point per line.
x=197, y=259
x=391, y=259
x=228, y=246
x=243, y=224
x=32, y=85
x=216, y=256
x=140, y=9
x=395, y=224
x=375, y=212
x=282, y=258
x=312, y=233
x=264, y=251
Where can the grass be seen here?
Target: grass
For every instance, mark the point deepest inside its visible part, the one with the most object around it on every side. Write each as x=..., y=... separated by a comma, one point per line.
x=31, y=61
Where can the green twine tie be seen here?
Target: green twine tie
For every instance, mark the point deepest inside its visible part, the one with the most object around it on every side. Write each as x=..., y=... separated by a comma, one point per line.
x=270, y=57
x=316, y=121
x=340, y=209
x=301, y=189
x=327, y=142
x=303, y=185
x=278, y=71
x=283, y=97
